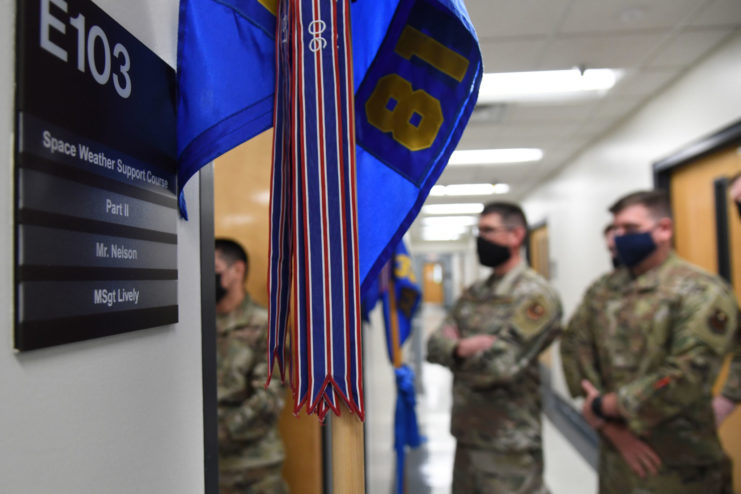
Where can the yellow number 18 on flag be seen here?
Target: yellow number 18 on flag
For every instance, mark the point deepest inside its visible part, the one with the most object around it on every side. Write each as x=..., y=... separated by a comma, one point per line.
x=413, y=117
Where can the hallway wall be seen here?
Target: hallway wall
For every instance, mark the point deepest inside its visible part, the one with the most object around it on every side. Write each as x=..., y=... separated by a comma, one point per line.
x=574, y=202
x=121, y=414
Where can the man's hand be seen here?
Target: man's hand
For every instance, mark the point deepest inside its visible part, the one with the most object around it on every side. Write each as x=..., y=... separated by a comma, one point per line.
x=722, y=407
x=474, y=344
x=586, y=409
x=640, y=457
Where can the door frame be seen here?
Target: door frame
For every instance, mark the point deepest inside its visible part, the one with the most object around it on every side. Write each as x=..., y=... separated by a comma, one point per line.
x=704, y=146
x=528, y=250
x=208, y=330
x=697, y=149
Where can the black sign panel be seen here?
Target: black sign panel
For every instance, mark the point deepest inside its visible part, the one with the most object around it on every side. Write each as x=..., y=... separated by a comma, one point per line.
x=96, y=205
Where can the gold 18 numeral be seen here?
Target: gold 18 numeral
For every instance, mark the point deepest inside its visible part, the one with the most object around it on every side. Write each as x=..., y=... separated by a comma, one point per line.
x=407, y=102
x=393, y=87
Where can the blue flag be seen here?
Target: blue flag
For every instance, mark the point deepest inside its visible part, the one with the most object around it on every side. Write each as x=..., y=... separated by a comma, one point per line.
x=417, y=68
x=401, y=300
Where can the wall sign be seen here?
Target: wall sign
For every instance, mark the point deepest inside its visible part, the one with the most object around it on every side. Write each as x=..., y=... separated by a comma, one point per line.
x=96, y=205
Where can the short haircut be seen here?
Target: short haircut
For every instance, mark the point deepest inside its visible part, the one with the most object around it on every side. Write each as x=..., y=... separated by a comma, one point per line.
x=511, y=214
x=656, y=201
x=231, y=252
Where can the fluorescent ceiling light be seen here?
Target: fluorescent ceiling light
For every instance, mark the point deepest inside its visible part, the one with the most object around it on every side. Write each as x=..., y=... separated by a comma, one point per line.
x=437, y=235
x=465, y=190
x=460, y=208
x=437, y=190
x=449, y=220
x=501, y=188
x=547, y=85
x=495, y=156
x=469, y=190
x=451, y=229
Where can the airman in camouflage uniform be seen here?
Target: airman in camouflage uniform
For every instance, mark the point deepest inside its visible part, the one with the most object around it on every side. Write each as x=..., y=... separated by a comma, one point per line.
x=250, y=449
x=645, y=347
x=496, y=415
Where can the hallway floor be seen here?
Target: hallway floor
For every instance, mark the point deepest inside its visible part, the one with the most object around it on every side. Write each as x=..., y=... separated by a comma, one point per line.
x=429, y=468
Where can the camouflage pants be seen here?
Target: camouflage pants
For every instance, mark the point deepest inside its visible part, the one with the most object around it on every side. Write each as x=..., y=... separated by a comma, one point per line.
x=483, y=471
x=265, y=480
x=616, y=477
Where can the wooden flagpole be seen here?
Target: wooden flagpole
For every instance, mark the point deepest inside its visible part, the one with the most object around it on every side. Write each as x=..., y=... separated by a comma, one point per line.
x=348, y=472
x=394, y=317
x=348, y=453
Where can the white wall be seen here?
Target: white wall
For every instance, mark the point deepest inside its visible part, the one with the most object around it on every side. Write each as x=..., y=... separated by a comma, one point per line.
x=575, y=201
x=121, y=414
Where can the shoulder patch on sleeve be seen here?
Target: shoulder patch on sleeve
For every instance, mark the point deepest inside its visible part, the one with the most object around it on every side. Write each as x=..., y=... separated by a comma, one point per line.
x=718, y=321
x=717, y=328
x=533, y=315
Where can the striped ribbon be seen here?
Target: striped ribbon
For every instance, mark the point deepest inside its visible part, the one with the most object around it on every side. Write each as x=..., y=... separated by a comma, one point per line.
x=313, y=235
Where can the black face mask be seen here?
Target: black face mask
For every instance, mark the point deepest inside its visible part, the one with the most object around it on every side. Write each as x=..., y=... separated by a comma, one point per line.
x=632, y=248
x=220, y=290
x=492, y=254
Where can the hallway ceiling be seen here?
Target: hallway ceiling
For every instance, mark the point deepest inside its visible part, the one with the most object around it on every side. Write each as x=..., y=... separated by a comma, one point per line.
x=653, y=41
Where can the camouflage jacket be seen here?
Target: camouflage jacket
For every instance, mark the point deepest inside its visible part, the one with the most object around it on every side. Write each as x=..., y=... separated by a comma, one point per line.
x=496, y=393
x=658, y=341
x=248, y=412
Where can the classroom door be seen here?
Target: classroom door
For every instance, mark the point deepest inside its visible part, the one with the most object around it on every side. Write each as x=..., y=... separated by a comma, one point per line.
x=538, y=250
x=693, y=192
x=432, y=288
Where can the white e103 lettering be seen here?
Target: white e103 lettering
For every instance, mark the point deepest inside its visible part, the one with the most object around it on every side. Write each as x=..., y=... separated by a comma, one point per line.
x=86, y=44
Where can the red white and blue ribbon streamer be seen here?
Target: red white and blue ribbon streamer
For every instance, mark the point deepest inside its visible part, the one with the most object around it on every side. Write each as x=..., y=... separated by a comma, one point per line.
x=314, y=234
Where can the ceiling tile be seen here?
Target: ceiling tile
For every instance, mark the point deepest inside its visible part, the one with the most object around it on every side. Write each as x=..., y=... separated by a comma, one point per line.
x=605, y=51
x=593, y=129
x=543, y=131
x=511, y=135
x=719, y=13
x=551, y=113
x=616, y=107
x=509, y=55
x=687, y=47
x=500, y=18
x=589, y=16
